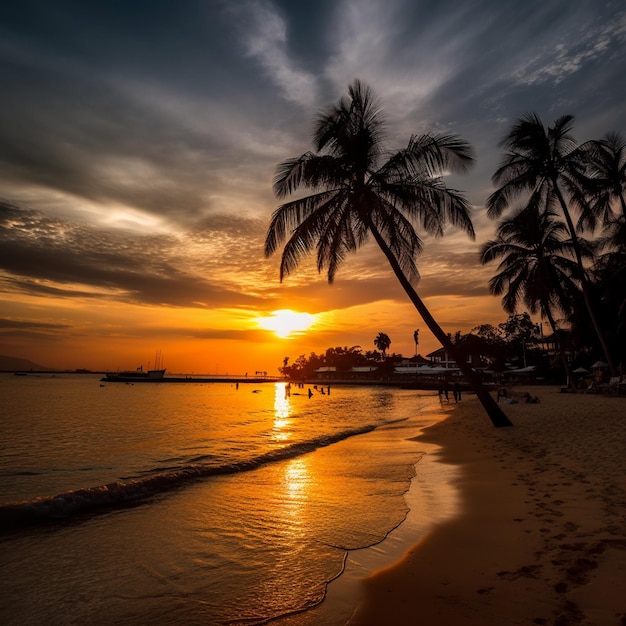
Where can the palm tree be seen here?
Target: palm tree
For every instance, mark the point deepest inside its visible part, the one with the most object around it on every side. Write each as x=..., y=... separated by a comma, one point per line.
x=382, y=342
x=357, y=192
x=416, y=339
x=537, y=267
x=546, y=164
x=606, y=181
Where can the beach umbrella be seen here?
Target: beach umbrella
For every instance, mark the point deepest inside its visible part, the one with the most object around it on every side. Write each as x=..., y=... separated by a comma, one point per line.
x=580, y=370
x=600, y=364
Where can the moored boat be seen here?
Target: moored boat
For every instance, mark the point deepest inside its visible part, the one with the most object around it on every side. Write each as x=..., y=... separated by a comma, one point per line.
x=139, y=375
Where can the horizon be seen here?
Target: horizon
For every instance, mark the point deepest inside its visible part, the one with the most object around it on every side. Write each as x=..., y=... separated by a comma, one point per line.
x=141, y=166
x=5, y=367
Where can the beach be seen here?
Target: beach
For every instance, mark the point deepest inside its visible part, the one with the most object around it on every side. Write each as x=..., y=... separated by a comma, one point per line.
x=540, y=536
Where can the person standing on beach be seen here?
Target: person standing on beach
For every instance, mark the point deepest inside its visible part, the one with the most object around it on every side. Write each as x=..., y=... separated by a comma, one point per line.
x=457, y=391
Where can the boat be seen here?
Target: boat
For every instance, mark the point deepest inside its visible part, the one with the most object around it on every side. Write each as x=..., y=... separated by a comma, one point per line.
x=138, y=375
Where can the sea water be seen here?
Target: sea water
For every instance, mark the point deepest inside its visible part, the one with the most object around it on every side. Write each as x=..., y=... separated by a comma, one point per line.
x=194, y=503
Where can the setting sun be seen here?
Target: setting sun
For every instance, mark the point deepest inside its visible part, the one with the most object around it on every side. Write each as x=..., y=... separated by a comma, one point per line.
x=286, y=322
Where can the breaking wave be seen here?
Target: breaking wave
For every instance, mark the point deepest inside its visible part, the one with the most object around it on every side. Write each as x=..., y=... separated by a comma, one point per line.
x=125, y=493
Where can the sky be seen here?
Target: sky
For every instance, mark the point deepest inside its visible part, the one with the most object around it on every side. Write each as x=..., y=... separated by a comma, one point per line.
x=138, y=143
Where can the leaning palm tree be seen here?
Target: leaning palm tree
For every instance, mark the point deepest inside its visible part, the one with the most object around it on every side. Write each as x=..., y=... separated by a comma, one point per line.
x=357, y=191
x=546, y=163
x=537, y=267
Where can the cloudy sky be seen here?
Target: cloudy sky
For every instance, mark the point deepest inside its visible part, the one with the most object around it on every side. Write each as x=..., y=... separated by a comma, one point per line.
x=138, y=142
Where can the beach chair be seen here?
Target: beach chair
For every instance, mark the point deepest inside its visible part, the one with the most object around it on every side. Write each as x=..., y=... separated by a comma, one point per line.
x=612, y=387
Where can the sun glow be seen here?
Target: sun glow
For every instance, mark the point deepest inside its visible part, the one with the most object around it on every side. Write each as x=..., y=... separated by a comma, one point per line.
x=286, y=322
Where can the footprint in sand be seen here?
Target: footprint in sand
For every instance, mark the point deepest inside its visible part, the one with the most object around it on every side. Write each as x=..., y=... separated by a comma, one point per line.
x=527, y=571
x=578, y=572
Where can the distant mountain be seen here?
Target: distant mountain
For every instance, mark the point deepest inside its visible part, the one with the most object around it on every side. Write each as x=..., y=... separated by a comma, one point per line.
x=12, y=363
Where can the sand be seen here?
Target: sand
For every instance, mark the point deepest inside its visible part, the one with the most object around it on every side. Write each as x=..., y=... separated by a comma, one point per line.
x=541, y=536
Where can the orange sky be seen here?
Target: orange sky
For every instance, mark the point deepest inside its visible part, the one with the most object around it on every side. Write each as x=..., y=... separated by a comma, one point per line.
x=103, y=329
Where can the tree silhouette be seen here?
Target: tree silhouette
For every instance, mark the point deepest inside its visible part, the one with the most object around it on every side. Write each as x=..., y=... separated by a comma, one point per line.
x=382, y=342
x=537, y=267
x=357, y=191
x=605, y=184
x=549, y=164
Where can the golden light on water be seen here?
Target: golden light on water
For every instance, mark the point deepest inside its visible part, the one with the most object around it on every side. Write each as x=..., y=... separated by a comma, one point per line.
x=286, y=322
x=296, y=478
x=282, y=411
x=282, y=401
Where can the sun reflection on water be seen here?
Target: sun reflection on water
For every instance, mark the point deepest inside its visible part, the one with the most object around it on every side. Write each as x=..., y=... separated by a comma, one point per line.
x=282, y=400
x=296, y=476
x=296, y=493
x=282, y=411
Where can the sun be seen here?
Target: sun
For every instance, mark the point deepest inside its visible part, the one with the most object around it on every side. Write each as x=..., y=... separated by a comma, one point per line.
x=286, y=322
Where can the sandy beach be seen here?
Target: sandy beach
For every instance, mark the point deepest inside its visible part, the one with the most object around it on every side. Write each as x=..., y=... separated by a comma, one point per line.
x=541, y=537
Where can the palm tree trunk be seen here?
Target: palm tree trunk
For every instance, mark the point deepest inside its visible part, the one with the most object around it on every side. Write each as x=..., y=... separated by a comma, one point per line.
x=559, y=341
x=583, y=281
x=493, y=410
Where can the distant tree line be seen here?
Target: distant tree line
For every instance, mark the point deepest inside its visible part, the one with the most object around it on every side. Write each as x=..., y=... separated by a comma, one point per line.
x=342, y=359
x=513, y=343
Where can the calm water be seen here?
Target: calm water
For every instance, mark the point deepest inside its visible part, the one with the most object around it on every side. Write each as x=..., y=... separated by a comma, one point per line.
x=246, y=502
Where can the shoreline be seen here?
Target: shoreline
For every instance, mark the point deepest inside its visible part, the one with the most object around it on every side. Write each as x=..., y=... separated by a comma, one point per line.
x=431, y=498
x=541, y=535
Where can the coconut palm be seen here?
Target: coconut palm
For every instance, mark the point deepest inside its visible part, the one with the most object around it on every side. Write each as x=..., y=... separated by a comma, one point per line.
x=606, y=181
x=606, y=188
x=610, y=278
x=537, y=266
x=546, y=163
x=382, y=342
x=358, y=191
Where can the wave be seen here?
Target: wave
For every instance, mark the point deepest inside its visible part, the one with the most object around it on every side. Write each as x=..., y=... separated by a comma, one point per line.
x=120, y=494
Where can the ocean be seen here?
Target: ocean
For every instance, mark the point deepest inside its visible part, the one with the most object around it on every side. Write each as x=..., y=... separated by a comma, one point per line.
x=202, y=503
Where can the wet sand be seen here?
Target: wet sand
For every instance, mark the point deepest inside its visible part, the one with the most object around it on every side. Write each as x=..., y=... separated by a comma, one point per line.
x=541, y=537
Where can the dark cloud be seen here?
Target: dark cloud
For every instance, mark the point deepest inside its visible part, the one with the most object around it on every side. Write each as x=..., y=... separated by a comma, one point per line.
x=114, y=265
x=19, y=324
x=166, y=108
x=98, y=145
x=138, y=119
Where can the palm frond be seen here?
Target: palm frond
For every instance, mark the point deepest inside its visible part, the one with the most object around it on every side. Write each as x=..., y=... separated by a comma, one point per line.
x=289, y=216
x=306, y=236
x=336, y=239
x=309, y=171
x=353, y=127
x=435, y=154
x=400, y=236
